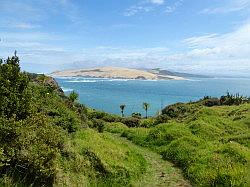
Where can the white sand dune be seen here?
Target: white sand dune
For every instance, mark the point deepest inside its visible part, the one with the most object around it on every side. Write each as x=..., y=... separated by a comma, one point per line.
x=114, y=73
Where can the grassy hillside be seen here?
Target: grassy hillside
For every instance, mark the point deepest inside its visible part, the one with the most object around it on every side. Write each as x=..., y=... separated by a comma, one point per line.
x=210, y=144
x=49, y=139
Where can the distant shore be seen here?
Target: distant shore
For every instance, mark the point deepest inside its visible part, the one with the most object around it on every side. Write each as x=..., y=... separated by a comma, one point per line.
x=116, y=73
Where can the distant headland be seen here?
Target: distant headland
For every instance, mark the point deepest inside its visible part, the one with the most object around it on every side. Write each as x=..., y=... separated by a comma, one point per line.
x=119, y=73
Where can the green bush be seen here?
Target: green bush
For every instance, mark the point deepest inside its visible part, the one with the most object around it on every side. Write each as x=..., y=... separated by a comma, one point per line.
x=81, y=111
x=136, y=115
x=211, y=102
x=163, y=118
x=66, y=119
x=147, y=123
x=32, y=149
x=98, y=124
x=96, y=114
x=112, y=118
x=175, y=110
x=73, y=96
x=116, y=127
x=14, y=95
x=131, y=122
x=165, y=133
x=230, y=99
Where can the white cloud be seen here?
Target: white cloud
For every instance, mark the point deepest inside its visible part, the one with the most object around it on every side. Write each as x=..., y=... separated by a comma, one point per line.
x=159, y=2
x=234, y=44
x=212, y=53
x=152, y=5
x=229, y=52
x=133, y=10
x=18, y=25
x=31, y=46
x=132, y=53
x=231, y=6
x=172, y=8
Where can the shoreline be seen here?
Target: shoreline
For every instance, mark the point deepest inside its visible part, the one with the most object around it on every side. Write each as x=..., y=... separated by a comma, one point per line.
x=118, y=78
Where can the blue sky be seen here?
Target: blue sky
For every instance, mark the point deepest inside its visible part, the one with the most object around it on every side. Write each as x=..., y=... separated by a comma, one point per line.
x=208, y=36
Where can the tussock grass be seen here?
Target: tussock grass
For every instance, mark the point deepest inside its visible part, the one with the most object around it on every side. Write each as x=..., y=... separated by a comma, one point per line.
x=102, y=159
x=210, y=144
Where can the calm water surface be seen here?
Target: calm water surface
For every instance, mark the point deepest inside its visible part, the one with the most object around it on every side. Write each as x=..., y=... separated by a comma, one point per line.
x=109, y=94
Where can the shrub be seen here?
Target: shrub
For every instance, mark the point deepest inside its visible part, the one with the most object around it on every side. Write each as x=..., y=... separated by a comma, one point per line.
x=230, y=99
x=131, y=122
x=211, y=102
x=112, y=118
x=116, y=127
x=147, y=123
x=32, y=150
x=163, y=118
x=14, y=95
x=96, y=114
x=98, y=124
x=175, y=110
x=66, y=119
x=73, y=96
x=136, y=115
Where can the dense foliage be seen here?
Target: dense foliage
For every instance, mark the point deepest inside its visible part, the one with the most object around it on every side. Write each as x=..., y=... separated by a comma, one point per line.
x=14, y=95
x=34, y=123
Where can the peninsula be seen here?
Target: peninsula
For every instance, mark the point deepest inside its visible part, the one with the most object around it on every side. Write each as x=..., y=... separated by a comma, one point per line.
x=117, y=73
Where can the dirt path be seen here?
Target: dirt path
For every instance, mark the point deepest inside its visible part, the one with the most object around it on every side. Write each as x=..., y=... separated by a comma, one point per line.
x=159, y=172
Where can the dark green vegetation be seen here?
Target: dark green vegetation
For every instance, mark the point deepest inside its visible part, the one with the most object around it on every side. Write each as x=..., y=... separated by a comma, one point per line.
x=47, y=138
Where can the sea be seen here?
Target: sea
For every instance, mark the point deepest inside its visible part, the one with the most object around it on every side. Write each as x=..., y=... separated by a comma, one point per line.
x=108, y=94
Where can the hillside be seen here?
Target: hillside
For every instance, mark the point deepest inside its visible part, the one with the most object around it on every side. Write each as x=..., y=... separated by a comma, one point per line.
x=49, y=139
x=116, y=73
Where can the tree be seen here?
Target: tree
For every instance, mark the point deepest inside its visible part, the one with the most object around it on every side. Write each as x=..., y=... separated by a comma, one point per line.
x=73, y=96
x=14, y=95
x=122, y=107
x=146, y=107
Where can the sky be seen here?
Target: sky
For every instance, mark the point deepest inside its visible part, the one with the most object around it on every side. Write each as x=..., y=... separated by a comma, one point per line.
x=205, y=37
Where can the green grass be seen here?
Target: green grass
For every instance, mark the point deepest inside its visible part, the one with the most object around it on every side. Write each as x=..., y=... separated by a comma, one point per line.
x=115, y=127
x=211, y=145
x=106, y=160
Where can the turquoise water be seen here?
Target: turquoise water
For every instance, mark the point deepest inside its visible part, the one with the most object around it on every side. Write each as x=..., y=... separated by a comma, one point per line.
x=109, y=94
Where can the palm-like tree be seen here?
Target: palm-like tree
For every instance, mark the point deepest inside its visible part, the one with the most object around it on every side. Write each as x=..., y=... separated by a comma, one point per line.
x=122, y=107
x=146, y=107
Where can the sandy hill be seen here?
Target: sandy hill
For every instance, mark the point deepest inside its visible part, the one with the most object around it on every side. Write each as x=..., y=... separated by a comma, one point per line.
x=114, y=72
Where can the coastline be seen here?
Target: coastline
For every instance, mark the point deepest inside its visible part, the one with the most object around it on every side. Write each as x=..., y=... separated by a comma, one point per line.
x=115, y=73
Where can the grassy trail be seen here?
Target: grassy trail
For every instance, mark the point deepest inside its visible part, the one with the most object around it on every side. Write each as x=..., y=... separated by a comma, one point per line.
x=159, y=172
